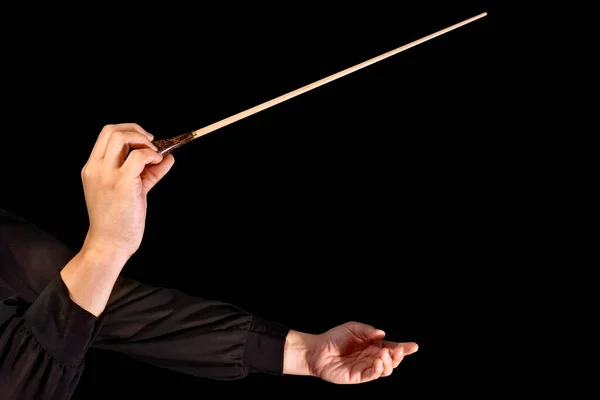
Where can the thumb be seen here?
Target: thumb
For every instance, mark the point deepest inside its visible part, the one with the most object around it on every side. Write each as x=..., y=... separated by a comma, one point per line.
x=154, y=173
x=366, y=331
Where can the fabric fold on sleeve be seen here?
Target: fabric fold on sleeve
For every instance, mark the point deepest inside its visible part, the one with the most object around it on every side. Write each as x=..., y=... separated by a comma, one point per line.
x=62, y=328
x=43, y=344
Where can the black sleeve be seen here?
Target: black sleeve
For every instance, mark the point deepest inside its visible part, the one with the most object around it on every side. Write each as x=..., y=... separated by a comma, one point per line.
x=205, y=338
x=161, y=326
x=43, y=344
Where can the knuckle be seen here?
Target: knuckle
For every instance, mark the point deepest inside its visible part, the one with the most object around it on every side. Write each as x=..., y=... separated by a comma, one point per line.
x=108, y=128
x=88, y=175
x=137, y=155
x=85, y=171
x=117, y=135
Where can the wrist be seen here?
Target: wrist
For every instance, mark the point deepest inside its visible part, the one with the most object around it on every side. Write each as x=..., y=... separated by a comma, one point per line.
x=91, y=275
x=104, y=256
x=298, y=349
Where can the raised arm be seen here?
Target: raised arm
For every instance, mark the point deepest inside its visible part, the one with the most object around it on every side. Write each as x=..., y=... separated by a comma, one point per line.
x=115, y=183
x=49, y=319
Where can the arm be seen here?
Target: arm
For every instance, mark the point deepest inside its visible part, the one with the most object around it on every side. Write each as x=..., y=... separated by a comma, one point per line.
x=217, y=340
x=161, y=326
x=200, y=337
x=116, y=184
x=47, y=323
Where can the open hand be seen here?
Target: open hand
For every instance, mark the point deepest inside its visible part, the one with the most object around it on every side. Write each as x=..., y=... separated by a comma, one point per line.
x=347, y=354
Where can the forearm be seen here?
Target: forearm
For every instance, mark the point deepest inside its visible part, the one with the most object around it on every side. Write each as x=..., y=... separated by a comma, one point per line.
x=90, y=277
x=298, y=349
x=221, y=340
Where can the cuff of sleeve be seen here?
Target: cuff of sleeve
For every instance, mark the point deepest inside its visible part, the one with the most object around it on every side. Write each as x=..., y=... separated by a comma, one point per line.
x=264, y=348
x=61, y=327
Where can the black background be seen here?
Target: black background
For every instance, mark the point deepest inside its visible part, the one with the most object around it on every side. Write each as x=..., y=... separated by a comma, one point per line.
x=373, y=198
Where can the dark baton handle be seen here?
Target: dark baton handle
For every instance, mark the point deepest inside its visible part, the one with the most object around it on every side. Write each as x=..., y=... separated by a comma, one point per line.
x=165, y=146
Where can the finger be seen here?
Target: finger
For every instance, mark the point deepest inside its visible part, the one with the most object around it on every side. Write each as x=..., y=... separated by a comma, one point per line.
x=154, y=173
x=385, y=356
x=366, y=331
x=138, y=159
x=130, y=126
x=121, y=142
x=374, y=372
x=408, y=348
x=397, y=356
x=101, y=144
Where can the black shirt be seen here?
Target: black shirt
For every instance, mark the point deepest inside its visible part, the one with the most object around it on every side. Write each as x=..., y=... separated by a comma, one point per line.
x=44, y=335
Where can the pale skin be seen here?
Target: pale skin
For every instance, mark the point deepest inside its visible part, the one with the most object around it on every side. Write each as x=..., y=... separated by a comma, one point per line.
x=122, y=168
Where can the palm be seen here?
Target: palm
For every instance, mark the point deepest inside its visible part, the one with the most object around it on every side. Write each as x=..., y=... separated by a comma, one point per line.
x=349, y=359
x=355, y=353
